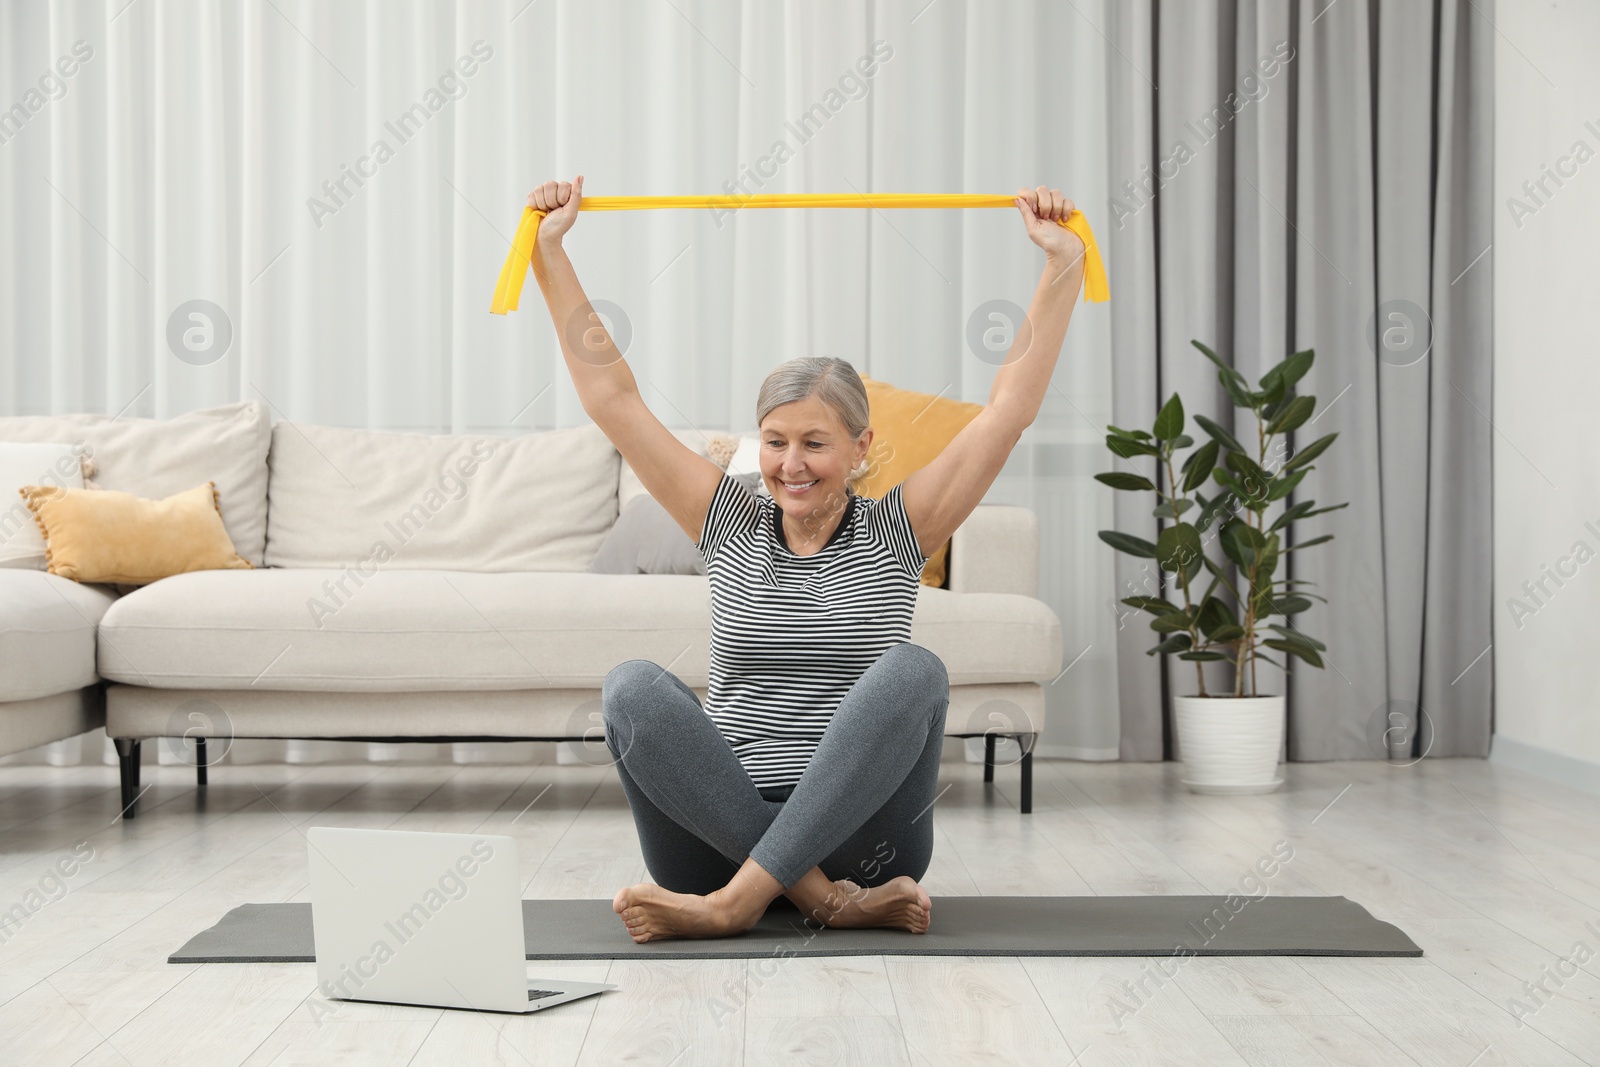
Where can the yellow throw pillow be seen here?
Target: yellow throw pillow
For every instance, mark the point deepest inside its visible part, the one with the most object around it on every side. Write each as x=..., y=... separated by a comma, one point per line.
x=115, y=537
x=909, y=430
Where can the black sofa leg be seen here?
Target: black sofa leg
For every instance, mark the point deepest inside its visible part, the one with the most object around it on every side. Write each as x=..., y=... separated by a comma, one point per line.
x=200, y=761
x=1026, y=741
x=988, y=757
x=128, y=769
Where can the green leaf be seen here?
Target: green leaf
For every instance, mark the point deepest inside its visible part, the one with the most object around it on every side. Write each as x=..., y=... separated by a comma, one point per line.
x=1125, y=480
x=1192, y=568
x=1169, y=423
x=1243, y=465
x=1189, y=460
x=1133, y=546
x=1309, y=453
x=1221, y=366
x=1138, y=435
x=1307, y=544
x=1268, y=559
x=1293, y=636
x=1319, y=511
x=1266, y=563
x=1290, y=514
x=1264, y=658
x=1183, y=440
x=1202, y=657
x=1241, y=542
x=1288, y=372
x=1226, y=634
x=1127, y=447
x=1218, y=434
x=1289, y=605
x=1294, y=368
x=1252, y=482
x=1296, y=412
x=1210, y=509
x=1217, y=569
x=1178, y=545
x=1173, y=510
x=1274, y=398
x=1168, y=624
x=1199, y=465
x=1307, y=654
x=1282, y=487
x=1240, y=396
x=1215, y=614
x=1230, y=482
x=1175, y=643
x=1248, y=500
x=1153, y=604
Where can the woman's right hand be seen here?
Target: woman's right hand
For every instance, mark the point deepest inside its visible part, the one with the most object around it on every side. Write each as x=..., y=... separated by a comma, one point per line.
x=559, y=201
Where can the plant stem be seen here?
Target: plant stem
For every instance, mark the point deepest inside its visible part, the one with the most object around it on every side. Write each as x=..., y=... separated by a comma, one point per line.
x=1183, y=573
x=1247, y=660
x=1261, y=451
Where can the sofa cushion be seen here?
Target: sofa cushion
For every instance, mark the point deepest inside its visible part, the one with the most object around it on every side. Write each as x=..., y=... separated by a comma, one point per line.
x=647, y=540
x=370, y=500
x=108, y=536
x=628, y=483
x=419, y=630
x=910, y=430
x=47, y=633
x=158, y=457
x=21, y=465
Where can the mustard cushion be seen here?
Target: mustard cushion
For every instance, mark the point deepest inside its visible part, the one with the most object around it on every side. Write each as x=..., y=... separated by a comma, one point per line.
x=115, y=537
x=909, y=430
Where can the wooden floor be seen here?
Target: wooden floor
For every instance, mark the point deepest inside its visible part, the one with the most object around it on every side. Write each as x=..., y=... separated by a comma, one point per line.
x=1495, y=873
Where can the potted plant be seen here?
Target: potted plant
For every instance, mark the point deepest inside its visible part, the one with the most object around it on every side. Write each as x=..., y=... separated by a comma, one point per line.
x=1229, y=741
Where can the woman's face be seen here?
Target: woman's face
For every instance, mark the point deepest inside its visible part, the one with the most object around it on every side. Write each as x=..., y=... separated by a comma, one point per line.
x=805, y=446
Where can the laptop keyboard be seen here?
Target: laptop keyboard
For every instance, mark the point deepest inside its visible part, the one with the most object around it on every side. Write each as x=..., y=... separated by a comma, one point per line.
x=540, y=994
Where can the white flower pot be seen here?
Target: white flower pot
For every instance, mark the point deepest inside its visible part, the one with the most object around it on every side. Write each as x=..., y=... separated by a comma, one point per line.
x=1230, y=744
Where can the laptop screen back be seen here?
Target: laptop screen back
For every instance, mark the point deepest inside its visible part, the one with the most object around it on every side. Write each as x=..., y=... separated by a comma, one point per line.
x=418, y=918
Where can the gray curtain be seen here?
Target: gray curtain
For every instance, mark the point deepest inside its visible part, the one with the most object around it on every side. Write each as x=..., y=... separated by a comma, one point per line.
x=1340, y=199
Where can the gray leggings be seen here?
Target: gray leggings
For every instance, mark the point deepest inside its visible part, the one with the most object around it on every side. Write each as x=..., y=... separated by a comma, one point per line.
x=862, y=809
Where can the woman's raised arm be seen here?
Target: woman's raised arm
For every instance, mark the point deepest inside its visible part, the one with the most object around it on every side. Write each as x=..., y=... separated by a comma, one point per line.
x=680, y=479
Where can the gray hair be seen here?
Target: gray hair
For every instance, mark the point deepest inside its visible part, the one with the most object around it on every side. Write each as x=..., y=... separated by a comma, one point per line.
x=833, y=381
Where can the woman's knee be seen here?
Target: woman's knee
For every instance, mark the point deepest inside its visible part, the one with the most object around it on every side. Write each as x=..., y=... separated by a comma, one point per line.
x=639, y=693
x=924, y=673
x=632, y=684
x=621, y=696
x=920, y=660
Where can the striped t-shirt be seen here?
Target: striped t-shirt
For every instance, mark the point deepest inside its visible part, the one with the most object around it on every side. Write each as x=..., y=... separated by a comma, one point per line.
x=791, y=634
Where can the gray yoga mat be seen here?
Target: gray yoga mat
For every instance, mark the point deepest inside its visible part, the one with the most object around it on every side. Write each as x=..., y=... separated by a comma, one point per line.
x=962, y=926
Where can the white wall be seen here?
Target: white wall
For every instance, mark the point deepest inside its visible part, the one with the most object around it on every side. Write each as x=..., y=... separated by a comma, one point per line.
x=1546, y=262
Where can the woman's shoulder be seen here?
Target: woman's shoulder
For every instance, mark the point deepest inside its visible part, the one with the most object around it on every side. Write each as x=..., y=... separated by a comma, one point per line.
x=886, y=522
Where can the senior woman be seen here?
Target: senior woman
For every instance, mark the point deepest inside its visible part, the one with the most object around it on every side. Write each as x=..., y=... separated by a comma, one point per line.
x=810, y=771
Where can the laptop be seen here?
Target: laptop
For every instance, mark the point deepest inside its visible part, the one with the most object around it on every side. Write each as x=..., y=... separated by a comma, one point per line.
x=404, y=917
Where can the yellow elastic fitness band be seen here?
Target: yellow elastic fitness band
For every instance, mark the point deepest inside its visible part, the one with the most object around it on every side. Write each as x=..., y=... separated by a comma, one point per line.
x=509, y=289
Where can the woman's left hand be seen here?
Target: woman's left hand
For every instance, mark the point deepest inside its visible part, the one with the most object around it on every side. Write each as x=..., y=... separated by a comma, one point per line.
x=1040, y=209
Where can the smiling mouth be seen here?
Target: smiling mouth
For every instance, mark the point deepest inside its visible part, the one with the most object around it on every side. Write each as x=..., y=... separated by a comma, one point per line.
x=798, y=487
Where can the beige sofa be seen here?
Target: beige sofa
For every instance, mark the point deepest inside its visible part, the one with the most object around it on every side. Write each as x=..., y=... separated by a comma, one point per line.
x=428, y=588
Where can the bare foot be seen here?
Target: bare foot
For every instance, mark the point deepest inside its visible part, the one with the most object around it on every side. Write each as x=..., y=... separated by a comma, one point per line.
x=655, y=914
x=899, y=903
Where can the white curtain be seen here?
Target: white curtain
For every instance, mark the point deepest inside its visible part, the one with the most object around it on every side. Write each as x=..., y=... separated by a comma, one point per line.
x=342, y=181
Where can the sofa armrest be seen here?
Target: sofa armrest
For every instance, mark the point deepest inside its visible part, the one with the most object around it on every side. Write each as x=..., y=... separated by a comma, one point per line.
x=996, y=551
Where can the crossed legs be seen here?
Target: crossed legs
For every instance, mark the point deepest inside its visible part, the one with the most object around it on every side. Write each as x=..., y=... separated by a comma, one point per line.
x=848, y=844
